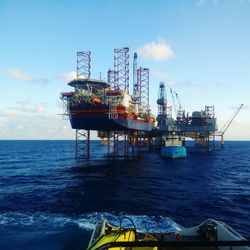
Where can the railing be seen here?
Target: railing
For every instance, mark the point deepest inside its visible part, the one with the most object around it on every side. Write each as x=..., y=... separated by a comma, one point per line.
x=65, y=97
x=113, y=103
x=175, y=244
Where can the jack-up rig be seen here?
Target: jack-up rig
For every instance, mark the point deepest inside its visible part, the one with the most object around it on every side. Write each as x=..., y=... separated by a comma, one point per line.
x=124, y=121
x=201, y=126
x=107, y=107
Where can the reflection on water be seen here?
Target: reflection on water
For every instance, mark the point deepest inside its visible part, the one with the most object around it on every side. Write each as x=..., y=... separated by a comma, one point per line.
x=41, y=180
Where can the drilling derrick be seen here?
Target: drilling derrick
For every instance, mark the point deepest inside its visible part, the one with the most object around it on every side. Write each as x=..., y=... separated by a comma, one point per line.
x=135, y=84
x=164, y=117
x=121, y=69
x=162, y=100
x=83, y=64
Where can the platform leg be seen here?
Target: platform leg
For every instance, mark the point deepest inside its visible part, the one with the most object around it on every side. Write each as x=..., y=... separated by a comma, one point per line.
x=222, y=141
x=82, y=147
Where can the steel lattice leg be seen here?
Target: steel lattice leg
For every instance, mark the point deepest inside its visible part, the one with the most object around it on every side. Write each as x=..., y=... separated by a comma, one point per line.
x=118, y=144
x=82, y=150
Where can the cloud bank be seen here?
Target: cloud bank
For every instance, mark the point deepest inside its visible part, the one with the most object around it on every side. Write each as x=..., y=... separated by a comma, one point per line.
x=160, y=51
x=204, y=2
x=67, y=77
x=163, y=76
x=19, y=74
x=26, y=107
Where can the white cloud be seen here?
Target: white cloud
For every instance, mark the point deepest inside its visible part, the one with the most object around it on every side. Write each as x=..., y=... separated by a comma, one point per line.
x=8, y=113
x=201, y=2
x=26, y=107
x=25, y=126
x=42, y=81
x=40, y=109
x=60, y=105
x=19, y=74
x=23, y=103
x=157, y=51
x=67, y=77
x=170, y=81
x=26, y=118
x=22, y=108
x=163, y=76
x=66, y=127
x=220, y=85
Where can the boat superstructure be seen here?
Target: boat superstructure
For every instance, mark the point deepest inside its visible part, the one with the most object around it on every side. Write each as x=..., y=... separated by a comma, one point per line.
x=173, y=145
x=209, y=235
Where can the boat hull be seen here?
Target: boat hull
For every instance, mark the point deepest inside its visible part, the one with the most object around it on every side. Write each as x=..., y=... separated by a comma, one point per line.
x=209, y=235
x=173, y=152
x=97, y=118
x=106, y=124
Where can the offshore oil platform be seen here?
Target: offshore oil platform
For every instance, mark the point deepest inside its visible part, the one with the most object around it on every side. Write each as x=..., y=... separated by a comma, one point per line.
x=201, y=126
x=107, y=106
x=124, y=121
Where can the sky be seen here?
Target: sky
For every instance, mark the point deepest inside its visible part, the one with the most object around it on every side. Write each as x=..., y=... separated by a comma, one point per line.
x=199, y=48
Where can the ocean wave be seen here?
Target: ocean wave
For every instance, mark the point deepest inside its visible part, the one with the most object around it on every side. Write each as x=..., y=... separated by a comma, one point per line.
x=86, y=221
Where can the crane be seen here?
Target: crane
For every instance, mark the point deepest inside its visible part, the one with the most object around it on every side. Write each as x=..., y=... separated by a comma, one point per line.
x=174, y=105
x=228, y=123
x=178, y=100
x=179, y=112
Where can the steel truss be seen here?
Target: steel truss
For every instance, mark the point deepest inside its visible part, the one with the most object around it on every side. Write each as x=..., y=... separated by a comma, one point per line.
x=136, y=95
x=121, y=69
x=83, y=64
x=143, y=86
x=65, y=106
x=211, y=142
x=143, y=141
x=82, y=150
x=118, y=144
x=209, y=110
x=206, y=142
x=121, y=144
x=111, y=78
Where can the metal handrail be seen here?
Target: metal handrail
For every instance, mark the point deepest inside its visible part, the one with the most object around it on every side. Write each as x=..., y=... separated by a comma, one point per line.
x=174, y=244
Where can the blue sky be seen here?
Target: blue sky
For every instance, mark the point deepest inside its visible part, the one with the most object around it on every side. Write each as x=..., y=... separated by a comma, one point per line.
x=201, y=49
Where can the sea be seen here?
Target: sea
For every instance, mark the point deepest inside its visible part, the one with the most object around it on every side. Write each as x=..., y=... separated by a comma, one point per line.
x=50, y=200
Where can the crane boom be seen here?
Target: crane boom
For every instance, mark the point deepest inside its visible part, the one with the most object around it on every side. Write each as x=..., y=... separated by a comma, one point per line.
x=226, y=126
x=178, y=100
x=174, y=105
